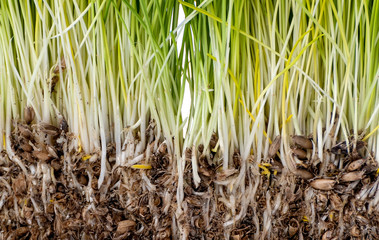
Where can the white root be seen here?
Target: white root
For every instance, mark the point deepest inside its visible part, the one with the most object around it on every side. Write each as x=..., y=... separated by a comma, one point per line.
x=46, y=179
x=149, y=185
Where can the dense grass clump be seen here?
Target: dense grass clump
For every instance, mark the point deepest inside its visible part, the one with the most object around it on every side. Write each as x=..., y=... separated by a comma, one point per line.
x=283, y=110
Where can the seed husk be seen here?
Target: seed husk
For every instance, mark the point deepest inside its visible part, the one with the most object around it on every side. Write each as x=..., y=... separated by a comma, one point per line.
x=323, y=184
x=27, y=156
x=21, y=231
x=355, y=165
x=344, y=148
x=362, y=220
x=302, y=141
x=276, y=166
x=355, y=232
x=195, y=201
x=304, y=174
x=165, y=234
x=293, y=227
x=204, y=167
x=125, y=226
x=60, y=67
x=63, y=125
x=327, y=235
x=49, y=129
x=26, y=146
x=157, y=201
x=236, y=159
x=50, y=208
x=236, y=237
x=25, y=131
x=213, y=141
x=352, y=176
x=56, y=165
x=29, y=114
x=366, y=181
x=162, y=150
x=51, y=150
x=322, y=198
x=83, y=180
x=360, y=144
x=43, y=156
x=53, y=81
x=336, y=201
x=199, y=222
x=226, y=174
x=200, y=148
x=274, y=147
x=188, y=154
x=300, y=153
x=19, y=185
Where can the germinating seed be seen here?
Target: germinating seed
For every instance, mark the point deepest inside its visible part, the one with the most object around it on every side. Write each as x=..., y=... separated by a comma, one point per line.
x=29, y=114
x=274, y=147
x=302, y=141
x=300, y=153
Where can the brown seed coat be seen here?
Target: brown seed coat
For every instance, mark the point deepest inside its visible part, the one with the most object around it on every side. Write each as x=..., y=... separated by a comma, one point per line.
x=19, y=185
x=42, y=155
x=336, y=201
x=300, y=153
x=304, y=174
x=274, y=147
x=125, y=226
x=29, y=114
x=352, y=176
x=323, y=184
x=302, y=141
x=355, y=165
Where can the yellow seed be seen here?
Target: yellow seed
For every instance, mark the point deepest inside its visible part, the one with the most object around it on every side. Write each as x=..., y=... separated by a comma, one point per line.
x=141, y=166
x=51, y=200
x=86, y=157
x=4, y=141
x=305, y=219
